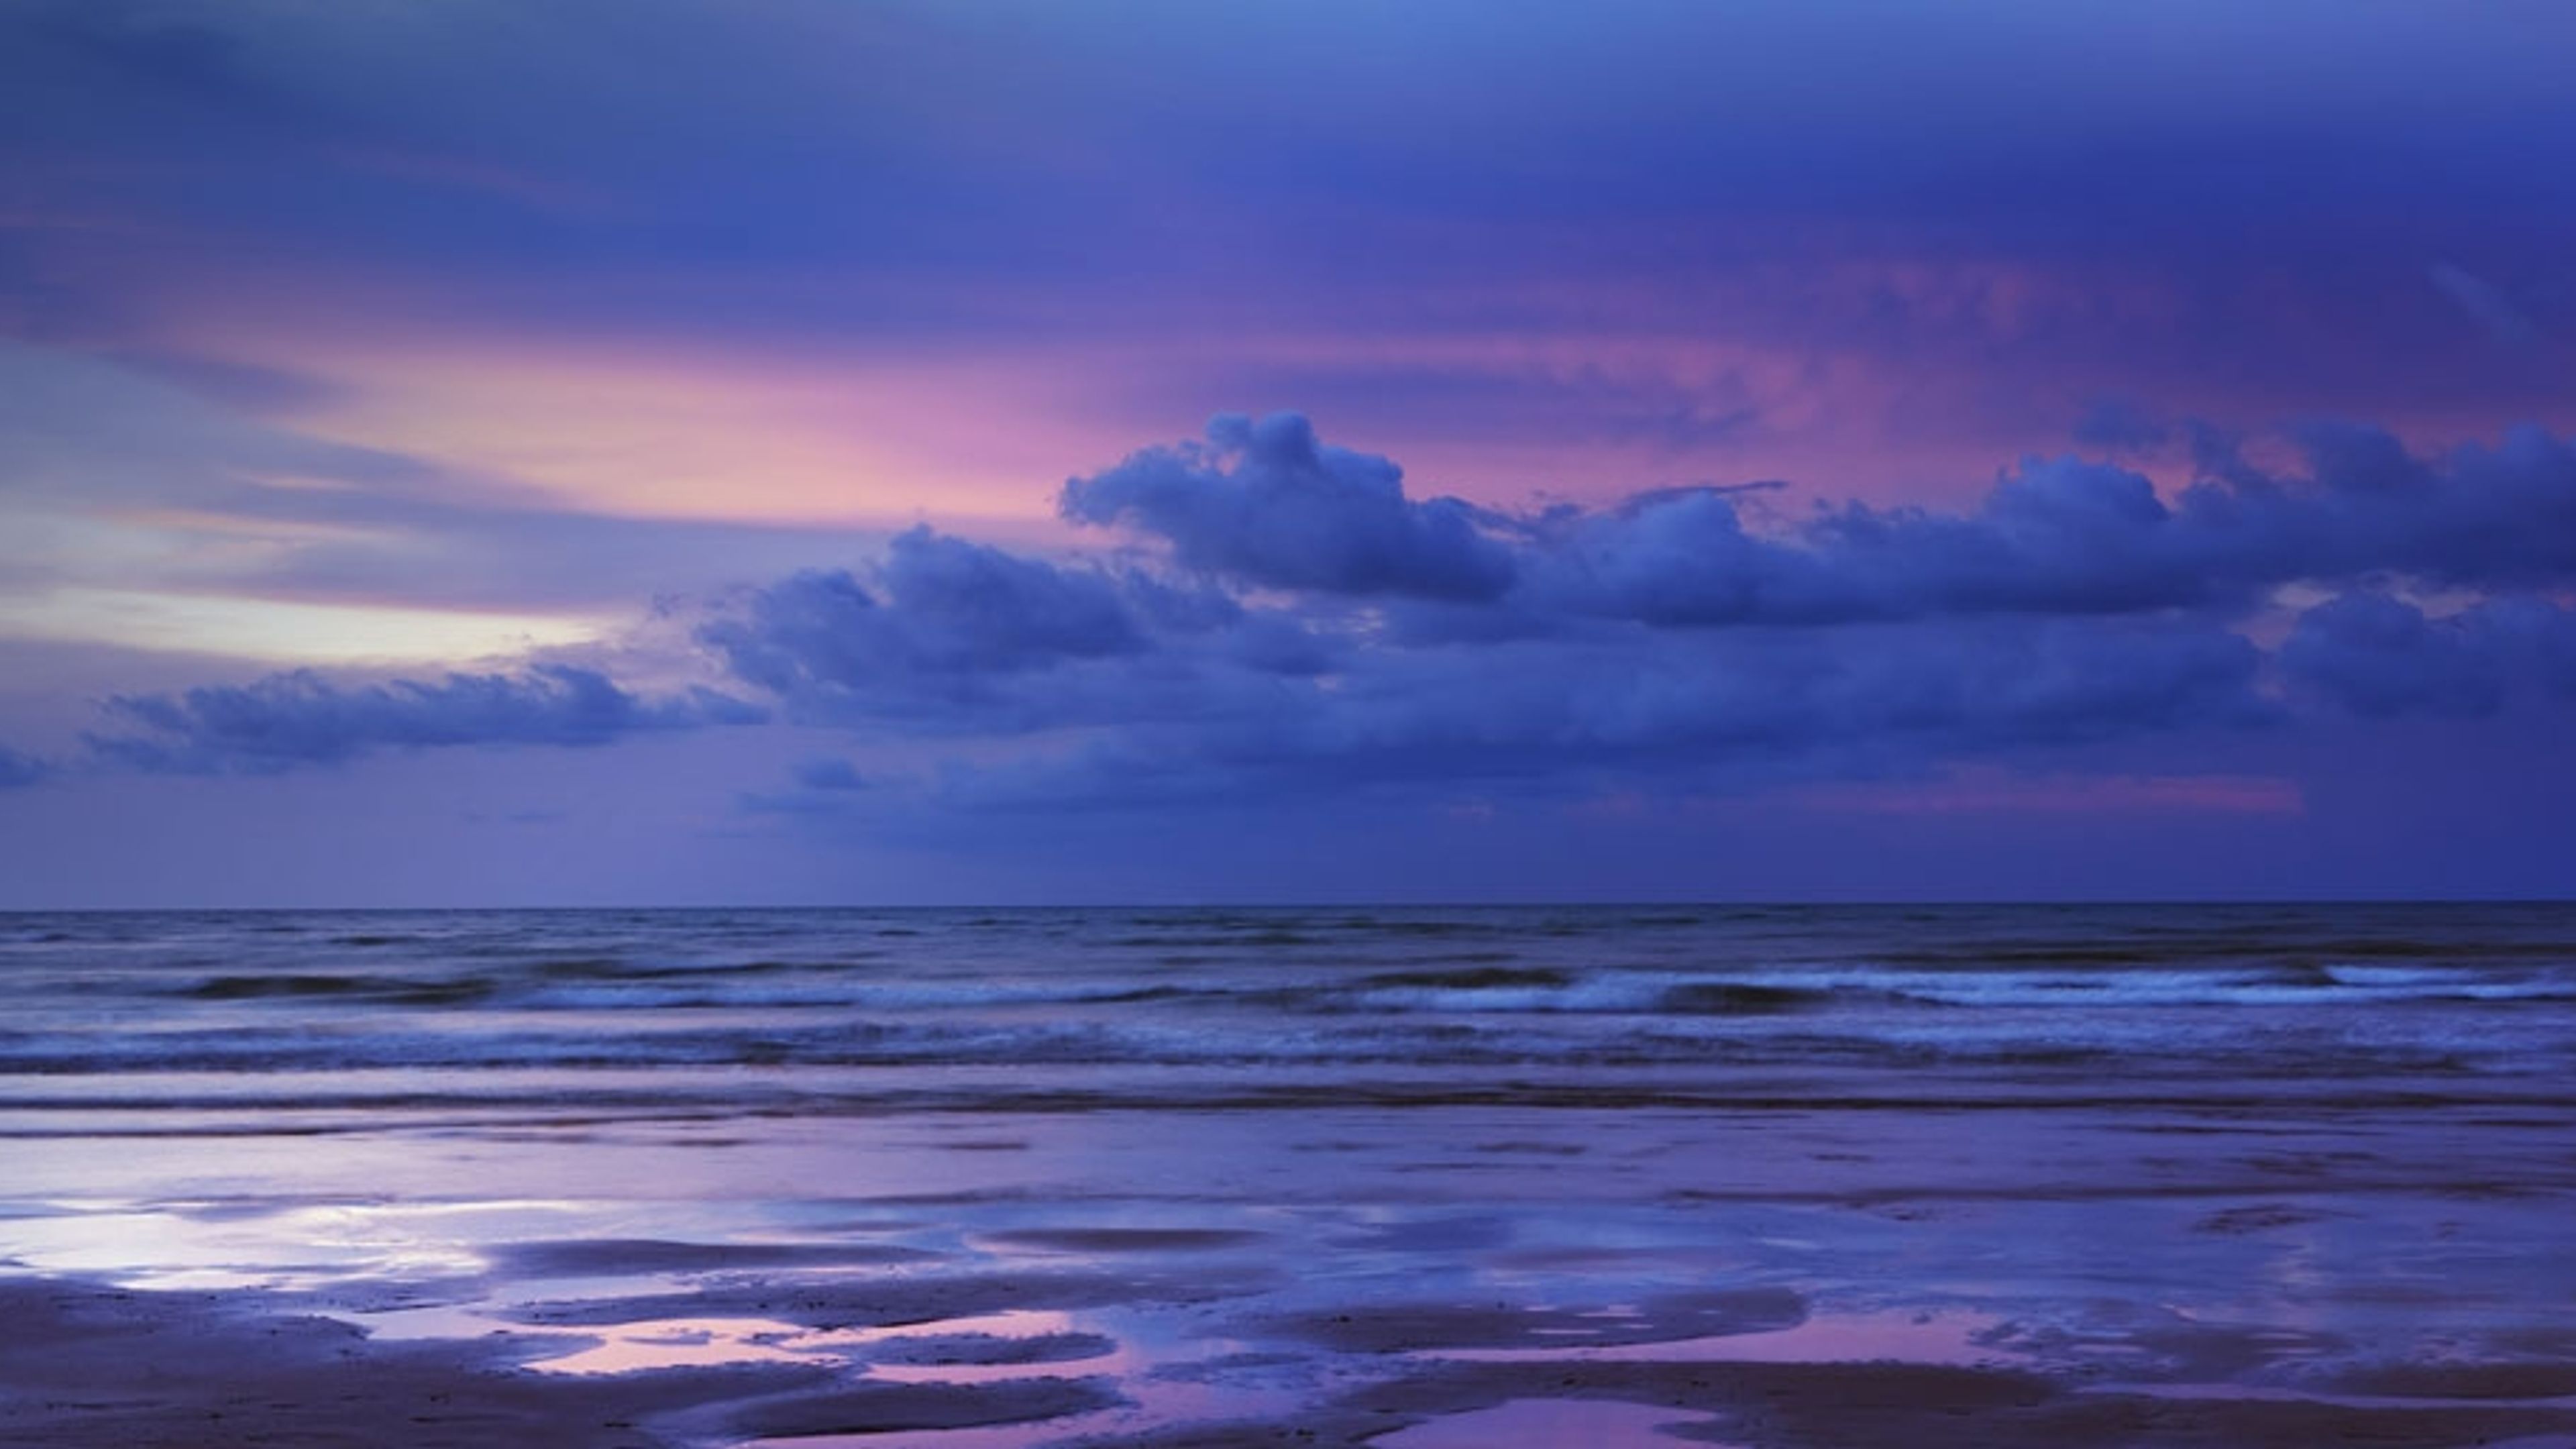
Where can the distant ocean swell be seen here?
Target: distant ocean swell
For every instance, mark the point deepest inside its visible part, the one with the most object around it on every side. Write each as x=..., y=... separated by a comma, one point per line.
x=1692, y=998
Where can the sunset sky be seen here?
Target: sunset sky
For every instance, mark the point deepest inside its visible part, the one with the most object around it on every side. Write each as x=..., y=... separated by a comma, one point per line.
x=619, y=451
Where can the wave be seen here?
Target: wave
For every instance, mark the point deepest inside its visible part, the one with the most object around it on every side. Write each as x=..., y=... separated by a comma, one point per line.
x=394, y=991
x=1435, y=986
x=1536, y=992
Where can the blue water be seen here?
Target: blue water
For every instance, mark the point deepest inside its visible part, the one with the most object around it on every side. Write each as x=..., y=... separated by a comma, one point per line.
x=1325, y=999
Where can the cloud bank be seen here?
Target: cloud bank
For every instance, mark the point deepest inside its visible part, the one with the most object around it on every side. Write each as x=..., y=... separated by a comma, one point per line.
x=1266, y=504
x=1278, y=619
x=299, y=718
x=2381, y=657
x=1285, y=619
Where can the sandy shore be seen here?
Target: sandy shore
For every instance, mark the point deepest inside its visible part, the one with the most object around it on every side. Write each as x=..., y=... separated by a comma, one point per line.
x=1415, y=1278
x=88, y=1365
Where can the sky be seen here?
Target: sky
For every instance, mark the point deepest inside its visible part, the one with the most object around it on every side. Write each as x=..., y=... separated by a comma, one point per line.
x=523, y=452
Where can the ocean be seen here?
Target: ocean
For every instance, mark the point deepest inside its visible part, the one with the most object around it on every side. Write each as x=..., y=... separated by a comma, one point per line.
x=1398, y=1177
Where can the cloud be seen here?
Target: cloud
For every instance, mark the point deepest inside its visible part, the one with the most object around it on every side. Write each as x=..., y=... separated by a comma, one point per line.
x=957, y=637
x=1565, y=710
x=831, y=773
x=1266, y=504
x=17, y=770
x=946, y=619
x=826, y=786
x=2381, y=657
x=2063, y=536
x=1723, y=713
x=1316, y=634
x=297, y=719
x=1313, y=631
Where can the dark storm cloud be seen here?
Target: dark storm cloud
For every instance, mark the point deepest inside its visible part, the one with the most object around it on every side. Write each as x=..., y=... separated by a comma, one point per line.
x=1266, y=504
x=2379, y=656
x=1565, y=716
x=952, y=616
x=1296, y=624
x=1684, y=634
x=2072, y=537
x=2063, y=536
x=296, y=719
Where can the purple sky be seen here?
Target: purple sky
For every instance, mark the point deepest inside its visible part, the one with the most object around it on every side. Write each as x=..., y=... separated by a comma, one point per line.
x=669, y=453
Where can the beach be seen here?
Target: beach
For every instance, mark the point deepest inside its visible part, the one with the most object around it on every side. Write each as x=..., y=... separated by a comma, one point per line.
x=1788, y=1176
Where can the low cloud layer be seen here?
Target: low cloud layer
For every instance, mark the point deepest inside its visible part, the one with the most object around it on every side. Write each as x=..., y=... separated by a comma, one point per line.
x=296, y=719
x=1280, y=620
x=945, y=617
x=1301, y=624
x=2381, y=657
x=1264, y=505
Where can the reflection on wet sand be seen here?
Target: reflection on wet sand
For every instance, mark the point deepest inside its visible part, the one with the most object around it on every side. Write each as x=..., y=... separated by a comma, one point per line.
x=1592, y=1423
x=1092, y=1311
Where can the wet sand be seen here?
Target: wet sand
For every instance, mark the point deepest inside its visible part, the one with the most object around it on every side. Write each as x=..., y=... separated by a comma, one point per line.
x=1987, y=1272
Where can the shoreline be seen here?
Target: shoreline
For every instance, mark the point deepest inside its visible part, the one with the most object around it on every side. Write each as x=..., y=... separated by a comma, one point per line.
x=1407, y=1278
x=1429, y=1181
x=93, y=1366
